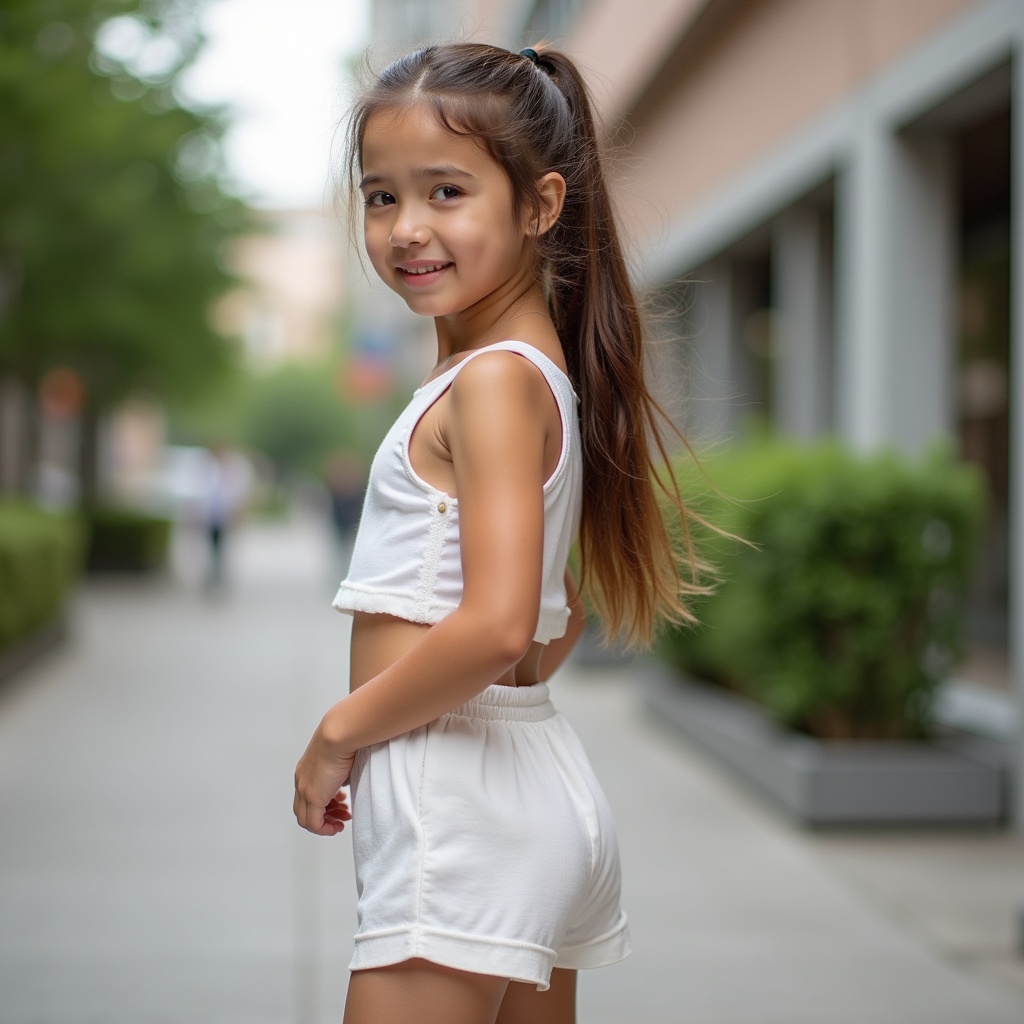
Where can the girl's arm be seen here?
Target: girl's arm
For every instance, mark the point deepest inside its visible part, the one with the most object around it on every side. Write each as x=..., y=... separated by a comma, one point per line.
x=495, y=427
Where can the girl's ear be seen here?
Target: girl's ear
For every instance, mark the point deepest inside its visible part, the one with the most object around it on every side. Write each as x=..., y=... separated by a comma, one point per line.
x=551, y=189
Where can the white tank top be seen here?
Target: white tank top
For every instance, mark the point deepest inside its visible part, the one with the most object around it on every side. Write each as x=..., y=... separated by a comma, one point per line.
x=406, y=559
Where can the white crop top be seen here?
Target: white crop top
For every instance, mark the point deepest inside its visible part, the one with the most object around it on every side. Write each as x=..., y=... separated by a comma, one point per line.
x=406, y=559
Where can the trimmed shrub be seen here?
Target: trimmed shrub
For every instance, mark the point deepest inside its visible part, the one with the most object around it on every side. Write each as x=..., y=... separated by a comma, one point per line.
x=845, y=614
x=124, y=540
x=40, y=558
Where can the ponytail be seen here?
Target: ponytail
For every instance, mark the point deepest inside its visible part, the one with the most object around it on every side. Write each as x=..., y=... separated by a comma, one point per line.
x=533, y=114
x=631, y=570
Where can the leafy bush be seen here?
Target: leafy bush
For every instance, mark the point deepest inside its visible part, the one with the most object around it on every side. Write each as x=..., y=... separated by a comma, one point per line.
x=40, y=557
x=845, y=615
x=123, y=540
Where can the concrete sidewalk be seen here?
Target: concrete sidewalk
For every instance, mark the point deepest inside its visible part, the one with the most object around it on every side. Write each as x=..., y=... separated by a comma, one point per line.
x=150, y=868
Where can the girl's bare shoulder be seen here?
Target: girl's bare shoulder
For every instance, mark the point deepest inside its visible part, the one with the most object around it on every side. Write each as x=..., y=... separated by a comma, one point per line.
x=499, y=373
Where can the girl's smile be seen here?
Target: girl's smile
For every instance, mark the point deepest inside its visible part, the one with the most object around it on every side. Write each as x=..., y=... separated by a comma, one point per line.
x=439, y=224
x=420, y=273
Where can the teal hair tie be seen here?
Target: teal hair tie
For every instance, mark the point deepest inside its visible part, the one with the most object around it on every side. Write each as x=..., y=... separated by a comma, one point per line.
x=532, y=54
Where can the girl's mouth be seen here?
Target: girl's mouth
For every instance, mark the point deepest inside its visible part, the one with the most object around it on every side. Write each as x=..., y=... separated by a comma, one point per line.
x=422, y=274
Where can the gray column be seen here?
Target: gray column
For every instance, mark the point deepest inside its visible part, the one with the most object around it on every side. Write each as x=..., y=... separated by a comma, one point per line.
x=922, y=298
x=864, y=273
x=801, y=271
x=1016, y=539
x=712, y=371
x=896, y=276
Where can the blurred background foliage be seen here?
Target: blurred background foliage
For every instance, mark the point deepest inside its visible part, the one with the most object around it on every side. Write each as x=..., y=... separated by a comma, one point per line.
x=40, y=556
x=112, y=221
x=843, y=613
x=293, y=414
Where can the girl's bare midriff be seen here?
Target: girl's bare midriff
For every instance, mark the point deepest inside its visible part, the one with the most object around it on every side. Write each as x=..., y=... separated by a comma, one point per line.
x=380, y=640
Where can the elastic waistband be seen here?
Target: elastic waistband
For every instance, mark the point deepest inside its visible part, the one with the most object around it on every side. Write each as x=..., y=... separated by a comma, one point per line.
x=511, y=703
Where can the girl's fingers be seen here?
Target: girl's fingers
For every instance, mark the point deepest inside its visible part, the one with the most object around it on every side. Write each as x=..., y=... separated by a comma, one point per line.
x=320, y=819
x=311, y=821
x=327, y=827
x=339, y=805
x=327, y=821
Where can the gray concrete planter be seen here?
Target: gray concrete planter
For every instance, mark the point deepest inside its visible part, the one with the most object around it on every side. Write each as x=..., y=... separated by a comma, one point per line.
x=949, y=780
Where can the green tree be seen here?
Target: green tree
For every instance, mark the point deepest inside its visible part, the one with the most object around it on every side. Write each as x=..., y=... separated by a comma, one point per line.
x=296, y=415
x=111, y=217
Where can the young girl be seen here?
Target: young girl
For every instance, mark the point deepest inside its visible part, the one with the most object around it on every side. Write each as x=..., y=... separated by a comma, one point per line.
x=486, y=859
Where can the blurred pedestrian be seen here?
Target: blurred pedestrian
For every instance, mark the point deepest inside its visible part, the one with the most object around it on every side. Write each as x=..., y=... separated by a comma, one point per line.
x=224, y=482
x=346, y=482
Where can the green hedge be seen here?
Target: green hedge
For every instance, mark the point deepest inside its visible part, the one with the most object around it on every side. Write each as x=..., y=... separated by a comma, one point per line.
x=124, y=540
x=846, y=615
x=40, y=558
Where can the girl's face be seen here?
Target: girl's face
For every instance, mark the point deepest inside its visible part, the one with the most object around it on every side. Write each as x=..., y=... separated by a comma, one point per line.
x=439, y=224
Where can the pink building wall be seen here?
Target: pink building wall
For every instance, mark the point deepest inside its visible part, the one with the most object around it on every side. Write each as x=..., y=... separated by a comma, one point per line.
x=766, y=70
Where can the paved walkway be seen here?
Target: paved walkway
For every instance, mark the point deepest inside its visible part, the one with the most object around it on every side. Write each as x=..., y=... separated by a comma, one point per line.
x=150, y=869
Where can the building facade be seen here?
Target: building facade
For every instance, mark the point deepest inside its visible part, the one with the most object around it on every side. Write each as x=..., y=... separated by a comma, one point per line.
x=830, y=191
x=293, y=277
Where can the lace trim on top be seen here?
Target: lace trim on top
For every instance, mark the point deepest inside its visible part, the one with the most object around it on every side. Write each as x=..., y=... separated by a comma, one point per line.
x=440, y=518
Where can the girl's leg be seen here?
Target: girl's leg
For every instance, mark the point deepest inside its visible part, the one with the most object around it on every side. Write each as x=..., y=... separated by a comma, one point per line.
x=523, y=1004
x=420, y=992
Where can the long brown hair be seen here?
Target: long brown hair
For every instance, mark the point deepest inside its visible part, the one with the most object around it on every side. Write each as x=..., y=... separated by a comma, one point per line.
x=532, y=118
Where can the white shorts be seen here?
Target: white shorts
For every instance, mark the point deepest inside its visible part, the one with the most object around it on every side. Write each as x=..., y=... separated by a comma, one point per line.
x=483, y=842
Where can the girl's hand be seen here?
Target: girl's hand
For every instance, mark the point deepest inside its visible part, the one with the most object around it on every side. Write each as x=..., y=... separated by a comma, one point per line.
x=319, y=805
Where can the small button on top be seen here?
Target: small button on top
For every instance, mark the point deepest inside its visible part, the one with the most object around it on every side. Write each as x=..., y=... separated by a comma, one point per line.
x=442, y=507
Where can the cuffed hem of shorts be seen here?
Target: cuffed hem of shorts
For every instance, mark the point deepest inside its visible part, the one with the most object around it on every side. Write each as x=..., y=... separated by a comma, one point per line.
x=518, y=961
x=606, y=949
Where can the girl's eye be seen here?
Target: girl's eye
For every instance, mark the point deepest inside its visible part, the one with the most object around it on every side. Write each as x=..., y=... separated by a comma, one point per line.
x=379, y=199
x=446, y=192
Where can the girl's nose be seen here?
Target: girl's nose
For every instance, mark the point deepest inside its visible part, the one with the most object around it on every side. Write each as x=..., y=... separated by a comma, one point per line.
x=408, y=229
